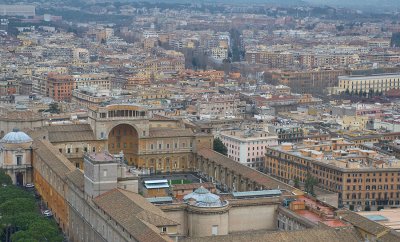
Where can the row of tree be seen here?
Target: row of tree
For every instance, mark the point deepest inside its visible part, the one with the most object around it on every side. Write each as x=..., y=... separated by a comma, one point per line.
x=361, y=93
x=20, y=218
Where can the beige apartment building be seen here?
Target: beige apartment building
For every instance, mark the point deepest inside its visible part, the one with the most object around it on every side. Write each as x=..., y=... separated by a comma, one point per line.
x=99, y=80
x=376, y=83
x=362, y=178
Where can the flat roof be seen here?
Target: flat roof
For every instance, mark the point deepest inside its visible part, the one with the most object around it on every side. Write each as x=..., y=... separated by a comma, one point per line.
x=369, y=77
x=375, y=218
x=153, y=186
x=159, y=199
x=257, y=193
x=156, y=181
x=386, y=217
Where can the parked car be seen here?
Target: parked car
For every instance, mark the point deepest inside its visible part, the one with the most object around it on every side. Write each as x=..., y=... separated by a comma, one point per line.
x=47, y=213
x=29, y=185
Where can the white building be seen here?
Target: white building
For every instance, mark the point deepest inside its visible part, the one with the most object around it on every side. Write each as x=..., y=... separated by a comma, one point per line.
x=376, y=83
x=248, y=147
x=219, y=53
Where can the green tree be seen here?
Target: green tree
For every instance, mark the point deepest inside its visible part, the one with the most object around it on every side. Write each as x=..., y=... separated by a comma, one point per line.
x=371, y=93
x=340, y=28
x=297, y=183
x=309, y=184
x=20, y=218
x=17, y=205
x=395, y=40
x=11, y=192
x=220, y=147
x=53, y=108
x=4, y=178
x=40, y=230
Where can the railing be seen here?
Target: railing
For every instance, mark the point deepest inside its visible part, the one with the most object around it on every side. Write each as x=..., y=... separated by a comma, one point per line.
x=14, y=167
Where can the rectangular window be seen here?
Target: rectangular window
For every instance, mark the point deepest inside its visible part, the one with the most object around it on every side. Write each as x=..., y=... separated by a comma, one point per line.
x=19, y=160
x=214, y=230
x=105, y=172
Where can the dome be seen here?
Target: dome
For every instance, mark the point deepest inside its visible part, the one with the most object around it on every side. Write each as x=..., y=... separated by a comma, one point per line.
x=201, y=197
x=16, y=137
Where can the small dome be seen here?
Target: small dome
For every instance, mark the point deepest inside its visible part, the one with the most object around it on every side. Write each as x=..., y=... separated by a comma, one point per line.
x=201, y=190
x=201, y=197
x=16, y=137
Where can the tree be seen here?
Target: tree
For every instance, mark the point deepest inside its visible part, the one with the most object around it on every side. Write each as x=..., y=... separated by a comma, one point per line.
x=297, y=183
x=309, y=184
x=371, y=93
x=395, y=40
x=17, y=205
x=220, y=147
x=4, y=178
x=40, y=230
x=53, y=108
x=21, y=220
x=340, y=28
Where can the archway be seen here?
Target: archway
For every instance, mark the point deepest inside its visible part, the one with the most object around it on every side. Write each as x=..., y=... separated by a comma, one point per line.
x=125, y=138
x=19, y=177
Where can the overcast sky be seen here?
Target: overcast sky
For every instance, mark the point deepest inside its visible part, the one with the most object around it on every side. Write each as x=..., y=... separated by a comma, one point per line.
x=360, y=3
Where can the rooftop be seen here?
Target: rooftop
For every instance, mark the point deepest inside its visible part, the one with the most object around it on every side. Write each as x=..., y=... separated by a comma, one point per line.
x=307, y=235
x=102, y=157
x=389, y=217
x=141, y=218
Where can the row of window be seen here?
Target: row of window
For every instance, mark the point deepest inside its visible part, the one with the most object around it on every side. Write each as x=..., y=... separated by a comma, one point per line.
x=77, y=150
x=168, y=146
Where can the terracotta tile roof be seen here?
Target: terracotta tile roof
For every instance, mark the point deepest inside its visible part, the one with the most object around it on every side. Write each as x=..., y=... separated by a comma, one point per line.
x=390, y=237
x=70, y=133
x=307, y=235
x=168, y=132
x=76, y=177
x=19, y=115
x=53, y=158
x=133, y=212
x=266, y=181
x=362, y=222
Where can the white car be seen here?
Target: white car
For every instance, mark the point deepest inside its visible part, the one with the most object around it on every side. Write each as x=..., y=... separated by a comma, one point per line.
x=29, y=185
x=47, y=213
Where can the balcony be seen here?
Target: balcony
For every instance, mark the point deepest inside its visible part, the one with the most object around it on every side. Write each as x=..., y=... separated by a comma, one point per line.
x=17, y=167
